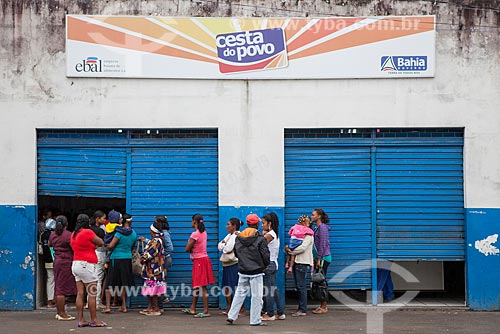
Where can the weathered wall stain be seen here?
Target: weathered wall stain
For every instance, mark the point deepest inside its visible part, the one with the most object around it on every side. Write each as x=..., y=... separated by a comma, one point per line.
x=33, y=31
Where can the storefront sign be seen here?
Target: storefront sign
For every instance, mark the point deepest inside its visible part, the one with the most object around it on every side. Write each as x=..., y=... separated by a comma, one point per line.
x=249, y=48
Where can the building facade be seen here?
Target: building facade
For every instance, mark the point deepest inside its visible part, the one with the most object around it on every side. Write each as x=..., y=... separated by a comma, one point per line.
x=407, y=168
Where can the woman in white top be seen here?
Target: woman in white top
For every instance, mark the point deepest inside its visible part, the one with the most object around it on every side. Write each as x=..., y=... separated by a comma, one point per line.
x=270, y=224
x=229, y=262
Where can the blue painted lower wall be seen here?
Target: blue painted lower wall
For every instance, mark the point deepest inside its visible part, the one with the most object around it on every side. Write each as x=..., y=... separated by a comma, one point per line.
x=18, y=254
x=483, y=259
x=227, y=212
x=18, y=257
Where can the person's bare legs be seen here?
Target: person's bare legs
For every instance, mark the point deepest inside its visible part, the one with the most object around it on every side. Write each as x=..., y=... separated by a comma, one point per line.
x=92, y=291
x=108, y=301
x=79, y=302
x=155, y=303
x=124, y=301
x=292, y=263
x=196, y=293
x=205, y=300
x=60, y=301
x=229, y=298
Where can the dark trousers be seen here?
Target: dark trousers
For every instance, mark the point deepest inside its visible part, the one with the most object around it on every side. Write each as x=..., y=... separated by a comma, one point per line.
x=272, y=295
x=299, y=275
x=324, y=298
x=384, y=283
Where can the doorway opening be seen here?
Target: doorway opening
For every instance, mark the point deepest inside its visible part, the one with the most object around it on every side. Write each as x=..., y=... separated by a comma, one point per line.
x=71, y=207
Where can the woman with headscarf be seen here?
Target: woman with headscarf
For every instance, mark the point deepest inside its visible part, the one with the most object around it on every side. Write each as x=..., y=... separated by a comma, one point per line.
x=153, y=271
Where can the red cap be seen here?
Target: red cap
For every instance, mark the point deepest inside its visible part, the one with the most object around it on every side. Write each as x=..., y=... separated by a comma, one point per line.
x=253, y=219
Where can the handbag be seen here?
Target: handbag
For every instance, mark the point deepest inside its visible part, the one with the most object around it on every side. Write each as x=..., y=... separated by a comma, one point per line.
x=228, y=257
x=318, y=276
x=136, y=259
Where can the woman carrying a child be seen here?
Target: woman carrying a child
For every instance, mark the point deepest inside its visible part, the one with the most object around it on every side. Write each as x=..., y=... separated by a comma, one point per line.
x=120, y=273
x=153, y=271
x=302, y=239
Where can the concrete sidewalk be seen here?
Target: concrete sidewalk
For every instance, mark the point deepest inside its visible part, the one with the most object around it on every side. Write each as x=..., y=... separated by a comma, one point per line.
x=336, y=321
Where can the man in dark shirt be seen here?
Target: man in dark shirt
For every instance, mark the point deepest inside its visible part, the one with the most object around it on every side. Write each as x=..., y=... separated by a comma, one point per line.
x=253, y=258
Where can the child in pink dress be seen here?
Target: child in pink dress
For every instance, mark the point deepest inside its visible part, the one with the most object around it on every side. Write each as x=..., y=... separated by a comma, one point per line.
x=297, y=234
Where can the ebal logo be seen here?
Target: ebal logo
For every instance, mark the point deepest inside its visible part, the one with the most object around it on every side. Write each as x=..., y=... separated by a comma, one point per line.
x=91, y=64
x=251, y=50
x=403, y=63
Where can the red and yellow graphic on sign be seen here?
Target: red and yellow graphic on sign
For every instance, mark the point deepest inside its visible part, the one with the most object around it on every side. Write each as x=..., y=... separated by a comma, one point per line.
x=161, y=47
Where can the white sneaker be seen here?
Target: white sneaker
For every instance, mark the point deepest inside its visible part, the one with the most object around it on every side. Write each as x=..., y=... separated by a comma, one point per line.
x=282, y=317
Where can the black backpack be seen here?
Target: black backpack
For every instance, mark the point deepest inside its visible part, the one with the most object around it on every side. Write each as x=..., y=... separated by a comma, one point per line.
x=44, y=243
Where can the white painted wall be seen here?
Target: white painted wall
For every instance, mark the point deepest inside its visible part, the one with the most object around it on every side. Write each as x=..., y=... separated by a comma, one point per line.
x=250, y=116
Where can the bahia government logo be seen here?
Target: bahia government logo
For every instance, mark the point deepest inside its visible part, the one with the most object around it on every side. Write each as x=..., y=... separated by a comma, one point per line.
x=251, y=50
x=91, y=64
x=403, y=63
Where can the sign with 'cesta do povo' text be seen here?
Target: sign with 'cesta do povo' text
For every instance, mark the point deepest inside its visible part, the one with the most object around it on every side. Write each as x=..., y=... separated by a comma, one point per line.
x=251, y=50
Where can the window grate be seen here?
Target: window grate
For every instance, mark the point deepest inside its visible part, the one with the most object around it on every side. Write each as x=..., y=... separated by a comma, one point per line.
x=125, y=133
x=420, y=133
x=379, y=133
x=171, y=133
x=328, y=133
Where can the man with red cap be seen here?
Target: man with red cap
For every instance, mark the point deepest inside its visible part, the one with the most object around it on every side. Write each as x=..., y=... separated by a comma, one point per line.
x=253, y=258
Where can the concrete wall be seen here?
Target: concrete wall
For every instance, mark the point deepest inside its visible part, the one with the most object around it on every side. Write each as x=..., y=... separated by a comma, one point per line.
x=250, y=115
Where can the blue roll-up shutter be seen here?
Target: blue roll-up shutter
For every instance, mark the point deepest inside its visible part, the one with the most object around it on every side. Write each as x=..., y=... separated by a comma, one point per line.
x=420, y=208
x=177, y=181
x=84, y=172
x=337, y=179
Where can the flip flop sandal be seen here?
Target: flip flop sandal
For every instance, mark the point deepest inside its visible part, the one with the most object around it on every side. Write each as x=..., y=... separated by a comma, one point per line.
x=107, y=311
x=153, y=313
x=93, y=324
x=122, y=311
x=202, y=315
x=299, y=314
x=60, y=318
x=223, y=313
x=188, y=311
x=145, y=312
x=83, y=324
x=320, y=310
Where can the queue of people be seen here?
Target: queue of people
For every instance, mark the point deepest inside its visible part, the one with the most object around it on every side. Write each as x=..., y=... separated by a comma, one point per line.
x=99, y=254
